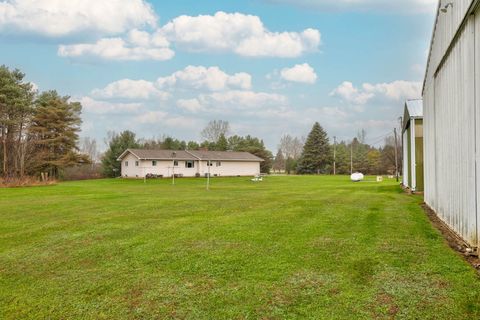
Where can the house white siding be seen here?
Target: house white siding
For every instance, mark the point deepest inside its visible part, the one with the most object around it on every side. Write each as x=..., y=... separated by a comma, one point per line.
x=231, y=168
x=167, y=168
x=451, y=119
x=128, y=166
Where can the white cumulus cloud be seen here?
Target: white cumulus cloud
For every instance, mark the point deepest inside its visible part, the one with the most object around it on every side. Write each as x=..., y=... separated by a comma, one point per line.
x=198, y=78
x=130, y=89
x=210, y=78
x=233, y=102
x=138, y=46
x=57, y=18
x=190, y=105
x=351, y=94
x=238, y=33
x=396, y=90
x=165, y=119
x=302, y=73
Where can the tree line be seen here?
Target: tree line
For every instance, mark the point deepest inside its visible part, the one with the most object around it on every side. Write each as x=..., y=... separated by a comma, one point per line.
x=38, y=131
x=319, y=155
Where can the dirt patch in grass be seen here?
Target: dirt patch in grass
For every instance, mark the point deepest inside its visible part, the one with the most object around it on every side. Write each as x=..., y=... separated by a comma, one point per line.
x=385, y=306
x=453, y=240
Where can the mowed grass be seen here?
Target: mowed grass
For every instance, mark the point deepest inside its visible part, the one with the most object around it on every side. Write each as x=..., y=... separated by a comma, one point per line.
x=286, y=248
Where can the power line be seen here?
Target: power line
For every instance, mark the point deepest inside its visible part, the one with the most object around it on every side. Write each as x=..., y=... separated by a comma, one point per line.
x=379, y=138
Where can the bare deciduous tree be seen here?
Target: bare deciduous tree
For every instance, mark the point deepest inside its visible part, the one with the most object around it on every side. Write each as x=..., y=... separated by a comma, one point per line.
x=362, y=136
x=291, y=146
x=88, y=146
x=215, y=129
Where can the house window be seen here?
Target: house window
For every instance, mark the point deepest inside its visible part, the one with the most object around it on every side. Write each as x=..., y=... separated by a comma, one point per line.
x=209, y=163
x=126, y=163
x=136, y=163
x=175, y=163
x=219, y=164
x=154, y=163
x=189, y=164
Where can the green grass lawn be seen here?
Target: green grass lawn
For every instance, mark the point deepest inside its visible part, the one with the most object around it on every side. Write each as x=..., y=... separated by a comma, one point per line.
x=289, y=247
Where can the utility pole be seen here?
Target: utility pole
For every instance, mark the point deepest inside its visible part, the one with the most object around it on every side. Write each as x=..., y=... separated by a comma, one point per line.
x=400, y=156
x=396, y=152
x=334, y=156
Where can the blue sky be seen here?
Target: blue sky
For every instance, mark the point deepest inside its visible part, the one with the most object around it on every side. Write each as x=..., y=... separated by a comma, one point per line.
x=269, y=67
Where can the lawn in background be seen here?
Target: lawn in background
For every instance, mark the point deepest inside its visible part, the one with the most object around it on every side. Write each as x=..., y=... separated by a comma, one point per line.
x=285, y=248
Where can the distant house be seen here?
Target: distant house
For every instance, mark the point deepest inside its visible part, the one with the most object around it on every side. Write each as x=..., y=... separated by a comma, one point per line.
x=136, y=163
x=451, y=101
x=412, y=134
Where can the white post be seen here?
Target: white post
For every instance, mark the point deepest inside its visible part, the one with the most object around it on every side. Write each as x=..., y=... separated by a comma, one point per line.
x=174, y=155
x=208, y=175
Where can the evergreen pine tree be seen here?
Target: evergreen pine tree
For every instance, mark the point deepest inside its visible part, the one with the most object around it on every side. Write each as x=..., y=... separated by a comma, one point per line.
x=55, y=126
x=116, y=146
x=16, y=98
x=316, y=152
x=222, y=143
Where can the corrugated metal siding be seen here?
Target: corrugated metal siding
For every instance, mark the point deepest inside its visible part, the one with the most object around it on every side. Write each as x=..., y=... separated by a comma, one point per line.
x=477, y=114
x=446, y=27
x=449, y=125
x=429, y=145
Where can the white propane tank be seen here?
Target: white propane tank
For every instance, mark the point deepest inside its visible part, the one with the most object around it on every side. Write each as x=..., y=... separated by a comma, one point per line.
x=357, y=177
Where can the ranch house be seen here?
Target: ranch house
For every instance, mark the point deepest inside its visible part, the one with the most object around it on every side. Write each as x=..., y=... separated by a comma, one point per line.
x=137, y=163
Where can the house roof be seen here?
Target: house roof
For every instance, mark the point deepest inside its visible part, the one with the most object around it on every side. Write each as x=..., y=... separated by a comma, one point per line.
x=224, y=155
x=145, y=154
x=413, y=110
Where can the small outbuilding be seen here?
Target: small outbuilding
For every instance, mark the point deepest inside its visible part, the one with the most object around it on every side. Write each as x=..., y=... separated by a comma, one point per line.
x=412, y=137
